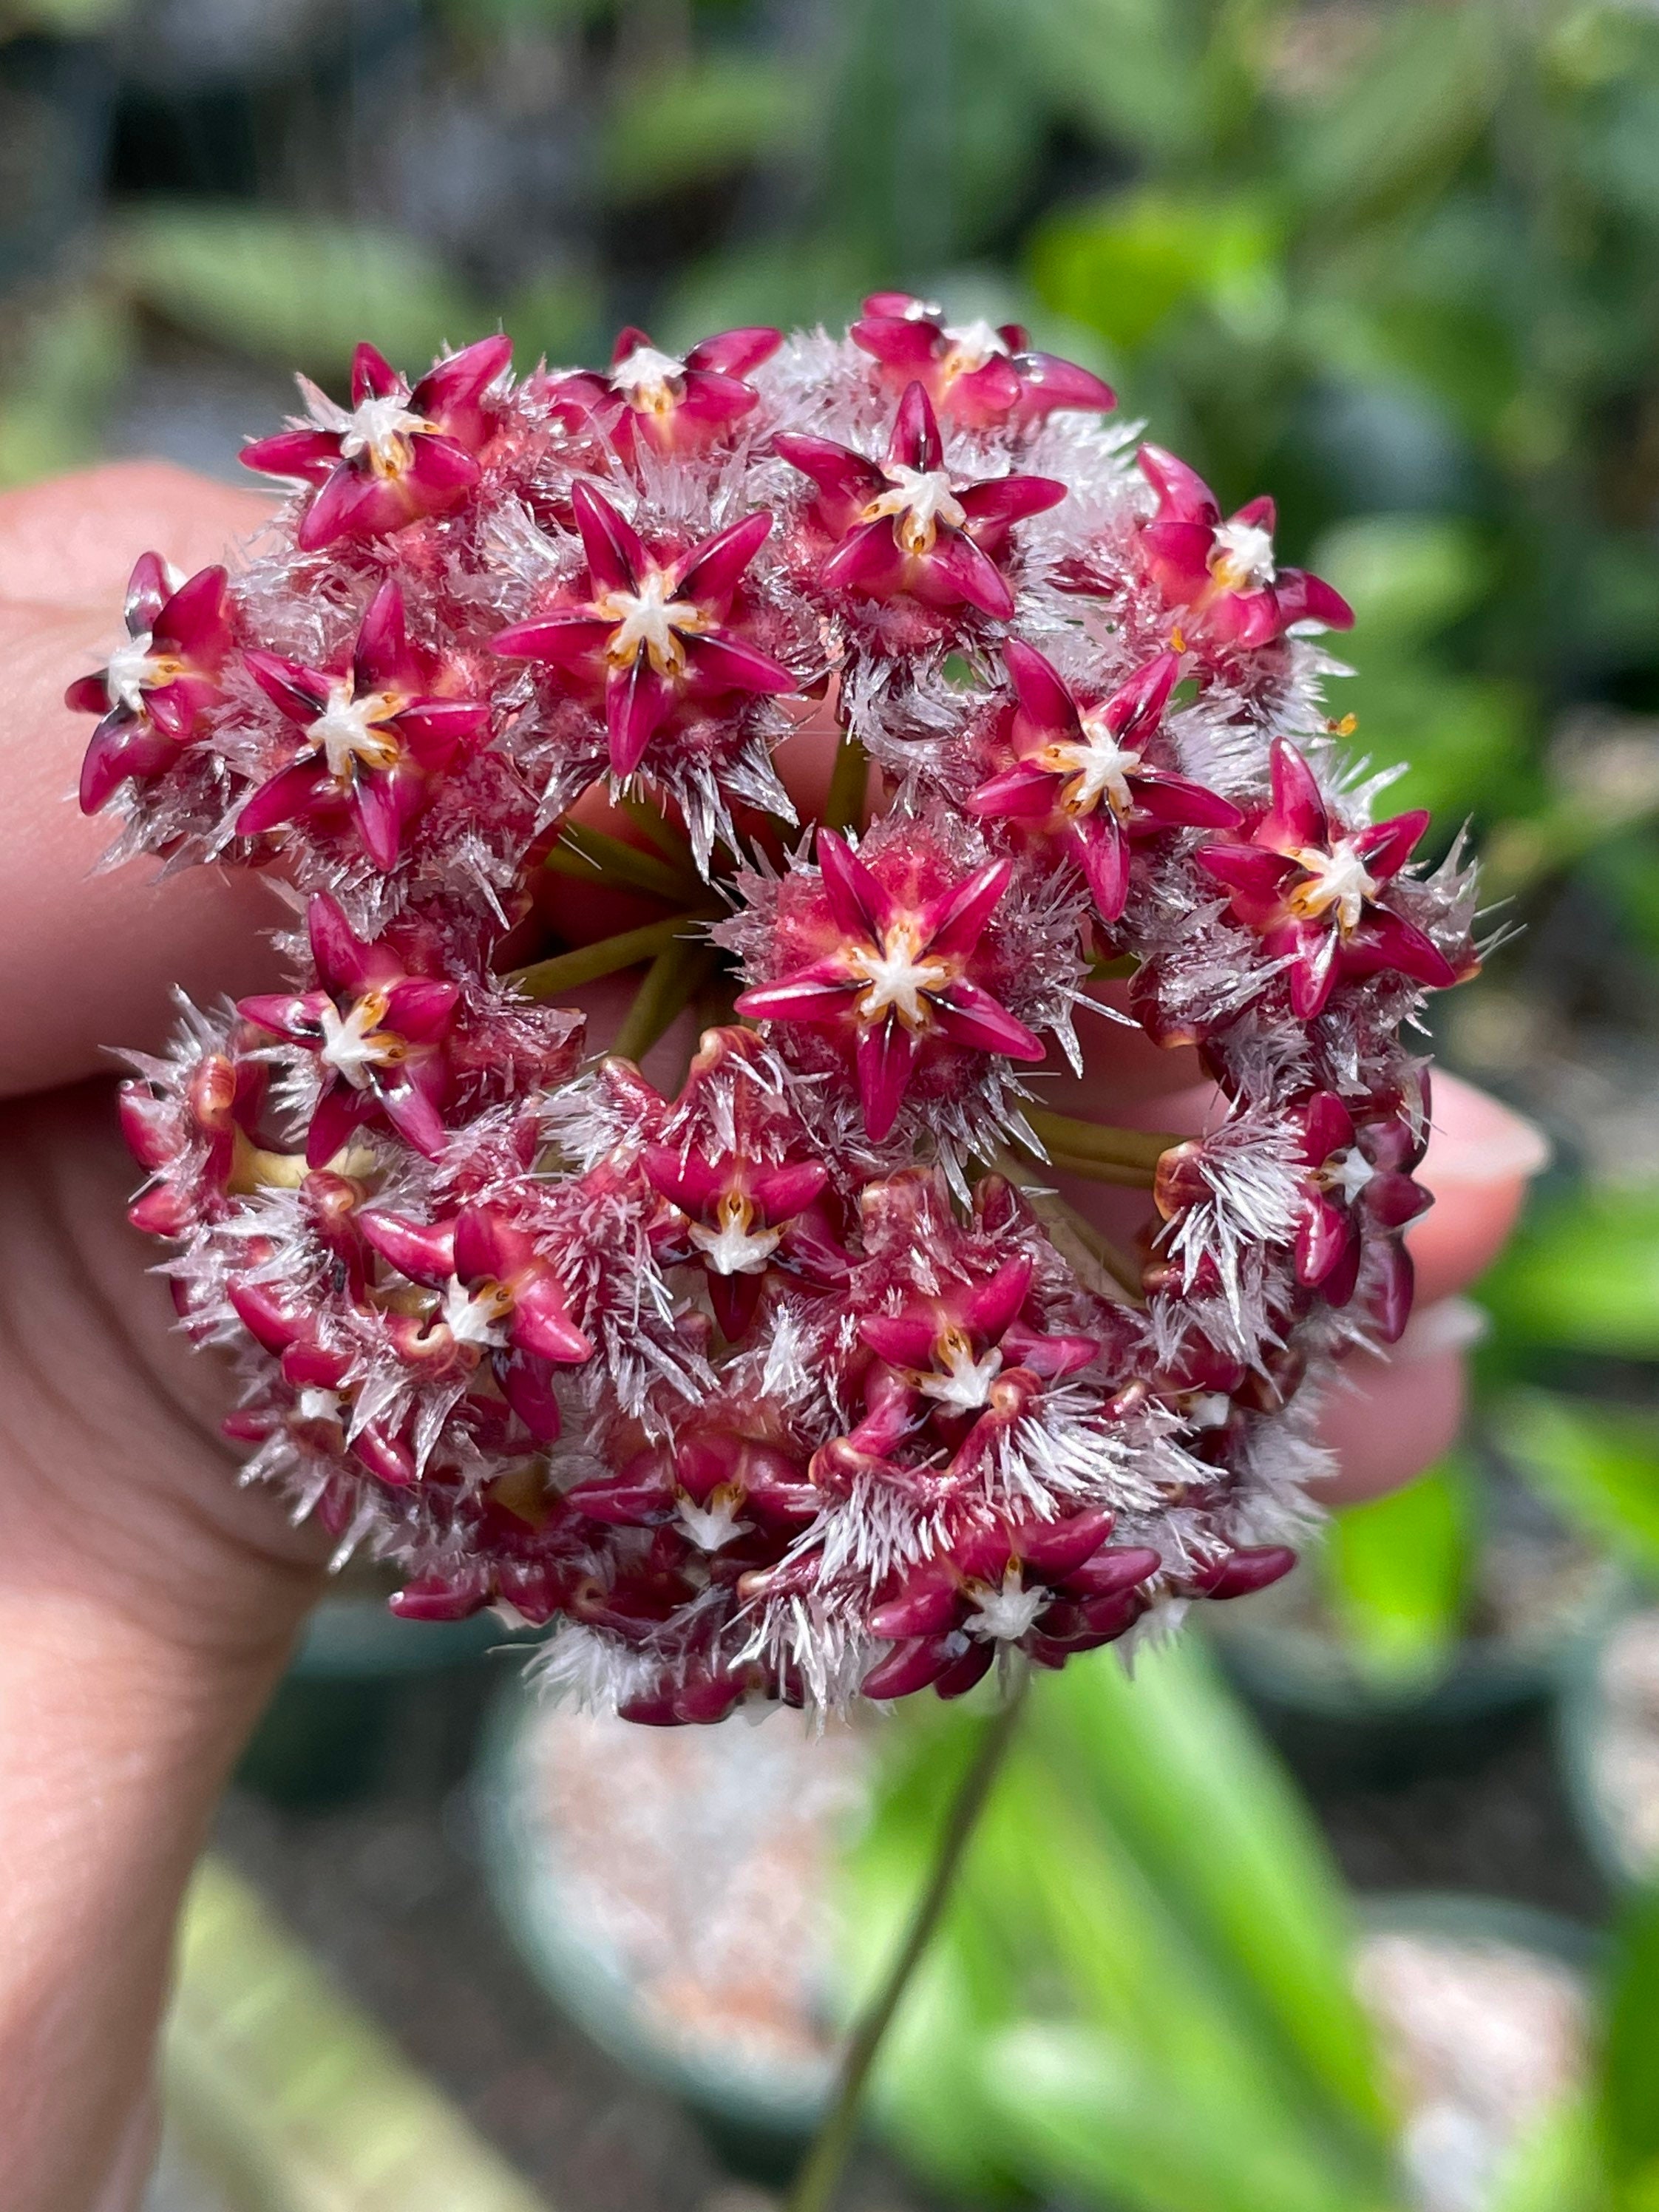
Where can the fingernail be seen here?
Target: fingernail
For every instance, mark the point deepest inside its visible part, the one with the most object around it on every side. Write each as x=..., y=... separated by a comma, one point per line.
x=1449, y=1325
x=1475, y=1139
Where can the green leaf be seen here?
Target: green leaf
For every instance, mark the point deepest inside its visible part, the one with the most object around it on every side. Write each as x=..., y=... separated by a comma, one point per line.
x=1124, y=266
x=1092, y=2118
x=699, y=121
x=1396, y=1573
x=295, y=290
x=1554, y=2166
x=1629, y=2072
x=1583, y=1273
x=1170, y=1761
x=1405, y=576
x=1597, y=1465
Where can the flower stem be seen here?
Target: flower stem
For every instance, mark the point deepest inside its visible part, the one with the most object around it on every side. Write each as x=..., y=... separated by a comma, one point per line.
x=843, y=806
x=670, y=984
x=1098, y=1140
x=593, y=856
x=1100, y=1262
x=814, y=2186
x=586, y=963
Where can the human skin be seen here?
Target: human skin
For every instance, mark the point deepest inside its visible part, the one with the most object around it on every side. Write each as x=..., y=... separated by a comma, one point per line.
x=147, y=1604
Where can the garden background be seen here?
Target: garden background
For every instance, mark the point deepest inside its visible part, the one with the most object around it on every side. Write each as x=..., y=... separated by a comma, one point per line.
x=1397, y=260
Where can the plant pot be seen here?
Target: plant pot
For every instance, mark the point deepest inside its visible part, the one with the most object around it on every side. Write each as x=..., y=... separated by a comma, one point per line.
x=1607, y=1733
x=1484, y=2017
x=667, y=1888
x=370, y=1701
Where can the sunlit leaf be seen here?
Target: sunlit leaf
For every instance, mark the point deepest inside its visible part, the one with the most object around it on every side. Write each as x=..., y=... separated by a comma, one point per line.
x=1583, y=1273
x=1397, y=1571
x=1406, y=576
x=1124, y=265
x=1629, y=2074
x=1170, y=1761
x=1094, y=2121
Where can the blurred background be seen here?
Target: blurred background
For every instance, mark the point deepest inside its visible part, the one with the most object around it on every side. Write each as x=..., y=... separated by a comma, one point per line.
x=1346, y=1909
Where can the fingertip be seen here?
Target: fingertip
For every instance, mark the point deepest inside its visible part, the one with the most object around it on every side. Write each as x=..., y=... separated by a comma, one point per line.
x=1390, y=1415
x=1480, y=1157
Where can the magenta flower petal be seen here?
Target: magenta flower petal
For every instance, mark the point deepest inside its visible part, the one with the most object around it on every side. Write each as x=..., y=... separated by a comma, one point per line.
x=1002, y=499
x=424, y=1251
x=727, y=664
x=1041, y=694
x=526, y=1382
x=335, y=1120
x=858, y=902
x=971, y=576
x=909, y=1666
x=847, y=479
x=956, y=923
x=412, y=1114
x=886, y=1056
x=1386, y=847
x=713, y=570
x=120, y=748
x=567, y=641
x=1025, y=791
x=376, y=810
x=288, y=794
x=615, y=557
x=1327, y=1127
x=870, y=560
x=637, y=703
x=1297, y=817
x=1103, y=853
x=310, y=456
x=734, y=353
x=1182, y=491
x=542, y=1324
x=1051, y=384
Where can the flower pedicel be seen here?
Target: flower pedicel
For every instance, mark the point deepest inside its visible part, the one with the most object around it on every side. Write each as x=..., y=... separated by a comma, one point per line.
x=800, y=1382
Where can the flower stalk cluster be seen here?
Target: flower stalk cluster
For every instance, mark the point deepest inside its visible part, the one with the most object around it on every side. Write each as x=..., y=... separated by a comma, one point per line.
x=794, y=1379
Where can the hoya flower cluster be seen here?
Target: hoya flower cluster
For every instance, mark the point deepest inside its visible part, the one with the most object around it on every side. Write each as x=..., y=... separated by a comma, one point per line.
x=798, y=1379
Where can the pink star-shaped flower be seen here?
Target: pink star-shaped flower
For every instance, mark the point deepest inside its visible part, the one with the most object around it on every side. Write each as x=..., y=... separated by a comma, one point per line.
x=154, y=688
x=982, y=377
x=1313, y=893
x=376, y=735
x=676, y=403
x=652, y=635
x=894, y=980
x=908, y=525
x=1223, y=575
x=381, y=1035
x=716, y=1481
x=1358, y=1193
x=394, y=455
x=501, y=1299
x=1050, y=1589
x=1082, y=775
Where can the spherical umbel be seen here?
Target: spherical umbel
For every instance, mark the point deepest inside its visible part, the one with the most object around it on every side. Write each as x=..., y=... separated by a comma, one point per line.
x=790, y=1378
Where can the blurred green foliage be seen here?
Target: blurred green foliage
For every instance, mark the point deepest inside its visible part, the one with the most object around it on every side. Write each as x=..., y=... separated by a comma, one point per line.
x=1142, y=1996
x=1396, y=1574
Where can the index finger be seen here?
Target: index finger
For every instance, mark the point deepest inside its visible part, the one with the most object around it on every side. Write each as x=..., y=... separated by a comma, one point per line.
x=88, y=958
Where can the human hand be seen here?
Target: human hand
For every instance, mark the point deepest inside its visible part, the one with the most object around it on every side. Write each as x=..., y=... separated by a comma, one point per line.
x=146, y=1603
